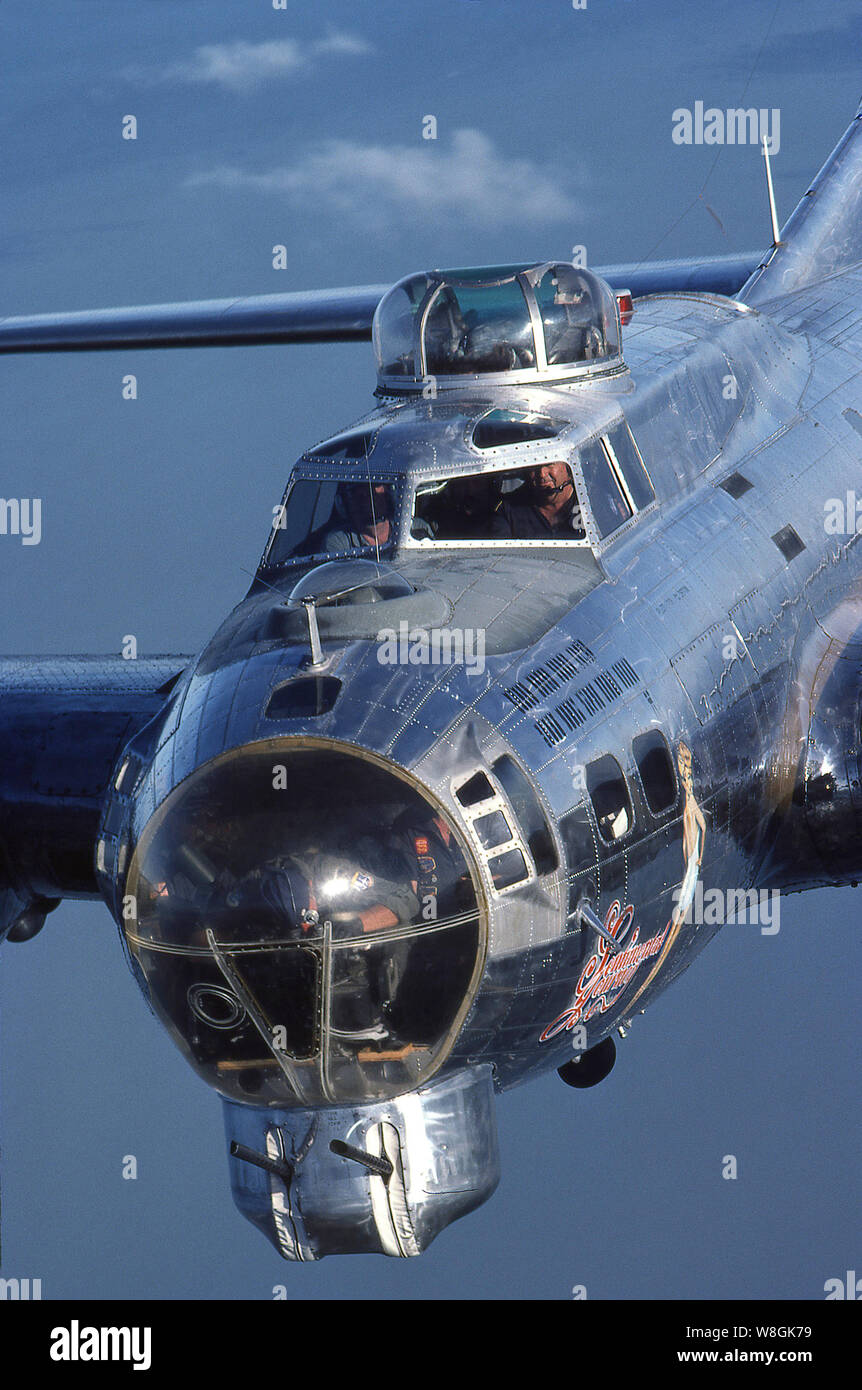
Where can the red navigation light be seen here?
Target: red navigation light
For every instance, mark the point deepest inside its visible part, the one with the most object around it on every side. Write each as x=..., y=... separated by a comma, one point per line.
x=626, y=305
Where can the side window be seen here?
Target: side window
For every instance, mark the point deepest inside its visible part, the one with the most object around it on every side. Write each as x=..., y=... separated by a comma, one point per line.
x=655, y=767
x=499, y=844
x=529, y=813
x=626, y=456
x=609, y=794
x=610, y=507
x=475, y=790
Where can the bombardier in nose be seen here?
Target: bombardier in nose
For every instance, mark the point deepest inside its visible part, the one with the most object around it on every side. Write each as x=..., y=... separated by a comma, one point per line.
x=307, y=924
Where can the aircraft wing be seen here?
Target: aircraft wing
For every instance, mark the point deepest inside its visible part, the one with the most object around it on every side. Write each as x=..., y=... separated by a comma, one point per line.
x=64, y=722
x=312, y=316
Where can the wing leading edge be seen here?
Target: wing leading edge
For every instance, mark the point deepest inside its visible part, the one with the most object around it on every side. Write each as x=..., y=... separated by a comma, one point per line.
x=313, y=316
x=64, y=721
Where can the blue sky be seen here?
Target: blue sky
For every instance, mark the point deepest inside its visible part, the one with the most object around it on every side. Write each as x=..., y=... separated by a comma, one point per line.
x=259, y=127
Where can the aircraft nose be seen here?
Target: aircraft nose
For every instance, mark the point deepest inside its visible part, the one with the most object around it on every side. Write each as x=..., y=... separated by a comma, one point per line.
x=306, y=923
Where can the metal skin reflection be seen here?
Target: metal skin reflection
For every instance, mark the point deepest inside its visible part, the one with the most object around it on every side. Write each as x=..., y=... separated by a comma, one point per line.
x=298, y=954
x=464, y=868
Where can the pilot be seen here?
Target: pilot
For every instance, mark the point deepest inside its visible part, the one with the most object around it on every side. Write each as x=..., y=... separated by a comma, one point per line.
x=545, y=507
x=367, y=509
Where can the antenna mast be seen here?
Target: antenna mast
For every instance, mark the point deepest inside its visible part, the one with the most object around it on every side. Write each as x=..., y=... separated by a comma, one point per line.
x=776, y=234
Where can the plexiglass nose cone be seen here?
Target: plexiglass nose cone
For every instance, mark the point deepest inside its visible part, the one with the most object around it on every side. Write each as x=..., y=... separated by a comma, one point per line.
x=307, y=925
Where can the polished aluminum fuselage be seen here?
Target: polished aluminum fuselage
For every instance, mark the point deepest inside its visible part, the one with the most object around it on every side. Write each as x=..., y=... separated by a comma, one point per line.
x=725, y=617
x=690, y=619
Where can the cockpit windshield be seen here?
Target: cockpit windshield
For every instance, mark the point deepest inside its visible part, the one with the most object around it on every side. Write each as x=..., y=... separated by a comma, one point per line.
x=531, y=504
x=326, y=517
x=581, y=496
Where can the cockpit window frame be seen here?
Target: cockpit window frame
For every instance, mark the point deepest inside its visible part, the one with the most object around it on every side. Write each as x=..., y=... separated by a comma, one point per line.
x=473, y=462
x=618, y=468
x=305, y=472
x=428, y=545
x=602, y=439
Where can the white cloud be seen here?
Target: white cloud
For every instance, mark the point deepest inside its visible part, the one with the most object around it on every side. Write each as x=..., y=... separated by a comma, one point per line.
x=241, y=66
x=469, y=181
x=337, y=42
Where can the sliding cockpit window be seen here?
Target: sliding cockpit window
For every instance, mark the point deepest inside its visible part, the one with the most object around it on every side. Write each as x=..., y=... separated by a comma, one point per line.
x=618, y=485
x=327, y=517
x=626, y=457
x=539, y=503
x=609, y=505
